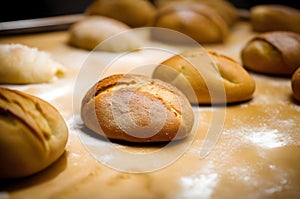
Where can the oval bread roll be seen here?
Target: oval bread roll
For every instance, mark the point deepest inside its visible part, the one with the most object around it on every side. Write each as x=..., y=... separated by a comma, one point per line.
x=33, y=134
x=296, y=84
x=136, y=108
x=196, y=20
x=135, y=13
x=224, y=8
x=21, y=64
x=91, y=31
x=275, y=53
x=266, y=18
x=220, y=80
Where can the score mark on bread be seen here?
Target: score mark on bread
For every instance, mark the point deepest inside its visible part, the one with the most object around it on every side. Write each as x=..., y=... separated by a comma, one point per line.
x=33, y=134
x=136, y=108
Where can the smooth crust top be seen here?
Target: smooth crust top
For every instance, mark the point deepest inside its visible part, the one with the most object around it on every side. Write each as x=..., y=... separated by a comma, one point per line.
x=287, y=44
x=33, y=134
x=221, y=79
x=136, y=98
x=189, y=18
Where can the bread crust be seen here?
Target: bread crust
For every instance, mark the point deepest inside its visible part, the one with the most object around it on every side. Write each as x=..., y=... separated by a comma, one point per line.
x=33, y=134
x=132, y=107
x=222, y=79
x=296, y=84
x=198, y=21
x=275, y=53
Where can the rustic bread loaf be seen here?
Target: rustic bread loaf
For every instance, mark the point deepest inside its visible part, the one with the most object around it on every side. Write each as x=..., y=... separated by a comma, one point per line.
x=33, y=134
x=296, y=84
x=220, y=79
x=274, y=53
x=136, y=108
x=94, y=30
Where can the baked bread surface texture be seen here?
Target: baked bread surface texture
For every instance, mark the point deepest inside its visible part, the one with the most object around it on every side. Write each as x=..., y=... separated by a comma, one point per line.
x=33, y=134
x=220, y=79
x=274, y=53
x=296, y=84
x=136, y=108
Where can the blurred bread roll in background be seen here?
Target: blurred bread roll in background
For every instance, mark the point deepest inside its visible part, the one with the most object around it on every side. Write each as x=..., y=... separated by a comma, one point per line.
x=225, y=9
x=219, y=79
x=274, y=53
x=21, y=64
x=195, y=20
x=136, y=108
x=33, y=134
x=94, y=30
x=135, y=13
x=296, y=84
x=265, y=18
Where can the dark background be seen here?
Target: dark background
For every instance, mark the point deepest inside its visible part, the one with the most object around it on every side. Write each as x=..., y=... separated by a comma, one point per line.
x=27, y=9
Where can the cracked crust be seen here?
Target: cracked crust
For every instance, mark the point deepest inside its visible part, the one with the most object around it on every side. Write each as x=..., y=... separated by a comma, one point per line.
x=132, y=107
x=220, y=79
x=33, y=134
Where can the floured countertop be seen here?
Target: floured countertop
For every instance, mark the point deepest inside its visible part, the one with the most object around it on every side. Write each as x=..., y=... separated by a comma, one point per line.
x=256, y=154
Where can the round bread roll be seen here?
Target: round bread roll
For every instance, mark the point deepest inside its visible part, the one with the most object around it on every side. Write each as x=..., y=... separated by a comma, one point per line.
x=221, y=79
x=296, y=84
x=21, y=64
x=196, y=20
x=224, y=8
x=135, y=13
x=266, y=18
x=136, y=108
x=93, y=30
x=33, y=134
x=274, y=53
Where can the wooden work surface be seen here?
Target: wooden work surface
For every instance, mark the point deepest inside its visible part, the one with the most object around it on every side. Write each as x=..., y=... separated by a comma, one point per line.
x=257, y=154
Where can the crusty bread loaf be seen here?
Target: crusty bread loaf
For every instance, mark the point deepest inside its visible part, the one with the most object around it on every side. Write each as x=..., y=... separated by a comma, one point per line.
x=272, y=17
x=224, y=8
x=135, y=13
x=92, y=32
x=21, y=64
x=198, y=21
x=220, y=79
x=275, y=53
x=33, y=134
x=296, y=84
x=136, y=108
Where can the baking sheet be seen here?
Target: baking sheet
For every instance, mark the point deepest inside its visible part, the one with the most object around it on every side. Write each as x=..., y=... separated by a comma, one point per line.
x=257, y=154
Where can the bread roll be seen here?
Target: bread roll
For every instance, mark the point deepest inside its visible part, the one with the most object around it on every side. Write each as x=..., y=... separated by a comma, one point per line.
x=274, y=53
x=93, y=30
x=198, y=21
x=266, y=18
x=33, y=134
x=135, y=13
x=296, y=84
x=136, y=108
x=21, y=64
x=224, y=8
x=220, y=80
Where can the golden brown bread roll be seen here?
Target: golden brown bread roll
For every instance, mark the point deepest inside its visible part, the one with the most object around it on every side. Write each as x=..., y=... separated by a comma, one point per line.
x=265, y=18
x=224, y=8
x=21, y=64
x=33, y=134
x=136, y=108
x=220, y=80
x=195, y=20
x=93, y=30
x=275, y=53
x=296, y=84
x=135, y=13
